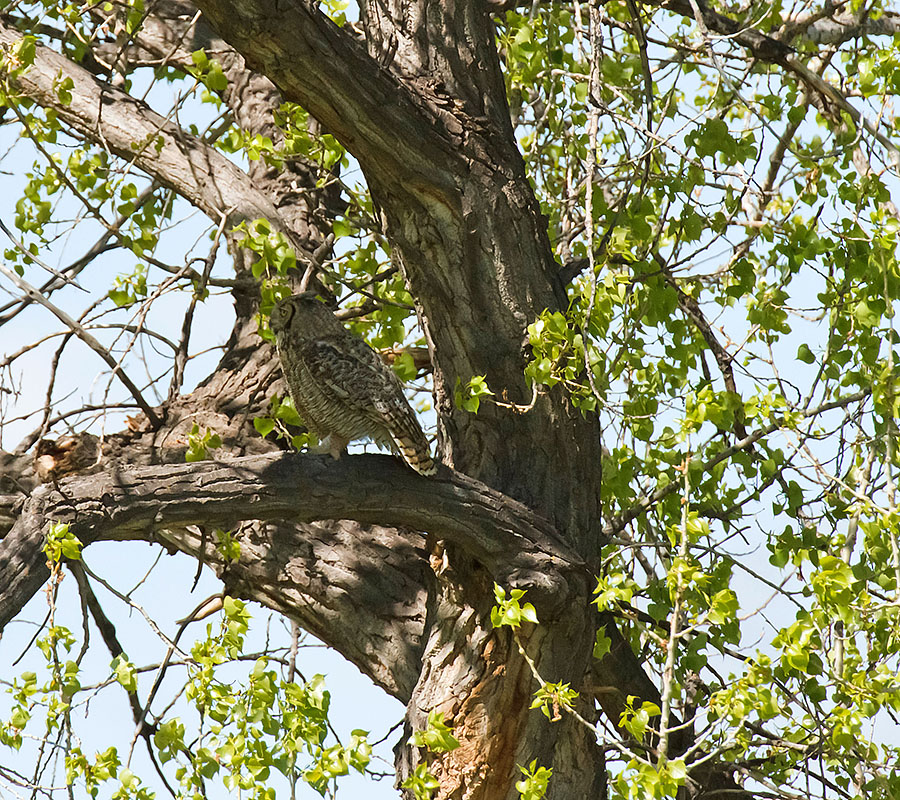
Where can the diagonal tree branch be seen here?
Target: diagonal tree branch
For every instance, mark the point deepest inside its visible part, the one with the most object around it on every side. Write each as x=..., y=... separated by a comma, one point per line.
x=130, y=129
x=374, y=116
x=169, y=35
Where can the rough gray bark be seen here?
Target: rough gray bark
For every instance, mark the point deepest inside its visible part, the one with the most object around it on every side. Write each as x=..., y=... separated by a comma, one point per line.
x=436, y=167
x=172, y=32
x=432, y=133
x=451, y=185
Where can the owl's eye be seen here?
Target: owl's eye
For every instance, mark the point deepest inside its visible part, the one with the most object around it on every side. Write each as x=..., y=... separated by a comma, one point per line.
x=281, y=315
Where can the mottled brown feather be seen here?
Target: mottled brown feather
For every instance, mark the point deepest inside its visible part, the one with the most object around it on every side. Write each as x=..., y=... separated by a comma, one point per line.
x=340, y=386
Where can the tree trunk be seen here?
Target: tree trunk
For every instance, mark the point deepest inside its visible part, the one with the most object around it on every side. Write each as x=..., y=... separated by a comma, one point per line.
x=473, y=245
x=425, y=114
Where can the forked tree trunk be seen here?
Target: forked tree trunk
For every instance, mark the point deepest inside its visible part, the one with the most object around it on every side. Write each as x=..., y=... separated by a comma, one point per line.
x=422, y=107
x=464, y=222
x=425, y=114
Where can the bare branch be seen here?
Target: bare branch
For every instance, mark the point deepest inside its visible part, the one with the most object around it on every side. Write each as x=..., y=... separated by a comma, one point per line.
x=99, y=247
x=26, y=252
x=89, y=340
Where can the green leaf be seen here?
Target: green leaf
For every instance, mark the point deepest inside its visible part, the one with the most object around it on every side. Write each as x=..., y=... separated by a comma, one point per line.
x=712, y=138
x=509, y=610
x=61, y=543
x=264, y=425
x=602, y=644
x=535, y=783
x=422, y=783
x=125, y=673
x=805, y=355
x=468, y=396
x=437, y=737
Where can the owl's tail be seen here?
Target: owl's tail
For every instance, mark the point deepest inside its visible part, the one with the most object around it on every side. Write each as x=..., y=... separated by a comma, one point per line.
x=415, y=453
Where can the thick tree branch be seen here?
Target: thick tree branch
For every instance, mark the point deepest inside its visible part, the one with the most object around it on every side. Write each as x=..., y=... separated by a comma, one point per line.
x=313, y=62
x=835, y=30
x=516, y=546
x=763, y=47
x=774, y=51
x=361, y=589
x=130, y=129
x=319, y=574
x=170, y=33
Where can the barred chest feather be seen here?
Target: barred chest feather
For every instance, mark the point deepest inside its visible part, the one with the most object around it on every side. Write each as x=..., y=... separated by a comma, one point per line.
x=322, y=409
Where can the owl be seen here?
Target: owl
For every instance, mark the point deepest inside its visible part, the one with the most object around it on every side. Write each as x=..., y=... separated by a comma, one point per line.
x=341, y=388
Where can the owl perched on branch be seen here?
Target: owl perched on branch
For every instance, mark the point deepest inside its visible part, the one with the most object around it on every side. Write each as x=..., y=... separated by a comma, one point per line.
x=341, y=388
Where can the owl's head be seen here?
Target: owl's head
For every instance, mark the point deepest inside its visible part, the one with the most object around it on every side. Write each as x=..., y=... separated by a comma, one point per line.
x=302, y=313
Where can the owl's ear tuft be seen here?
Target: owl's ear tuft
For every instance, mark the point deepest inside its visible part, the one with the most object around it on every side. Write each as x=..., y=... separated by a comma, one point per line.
x=309, y=300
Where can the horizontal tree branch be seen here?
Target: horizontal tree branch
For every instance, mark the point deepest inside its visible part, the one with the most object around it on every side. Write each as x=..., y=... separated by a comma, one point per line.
x=821, y=29
x=763, y=47
x=517, y=547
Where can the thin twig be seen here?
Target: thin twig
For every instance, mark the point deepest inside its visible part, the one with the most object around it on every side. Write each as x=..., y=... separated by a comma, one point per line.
x=89, y=340
x=646, y=503
x=20, y=246
x=181, y=352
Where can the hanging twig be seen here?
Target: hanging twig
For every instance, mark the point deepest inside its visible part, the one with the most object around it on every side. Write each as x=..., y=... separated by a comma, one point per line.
x=181, y=353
